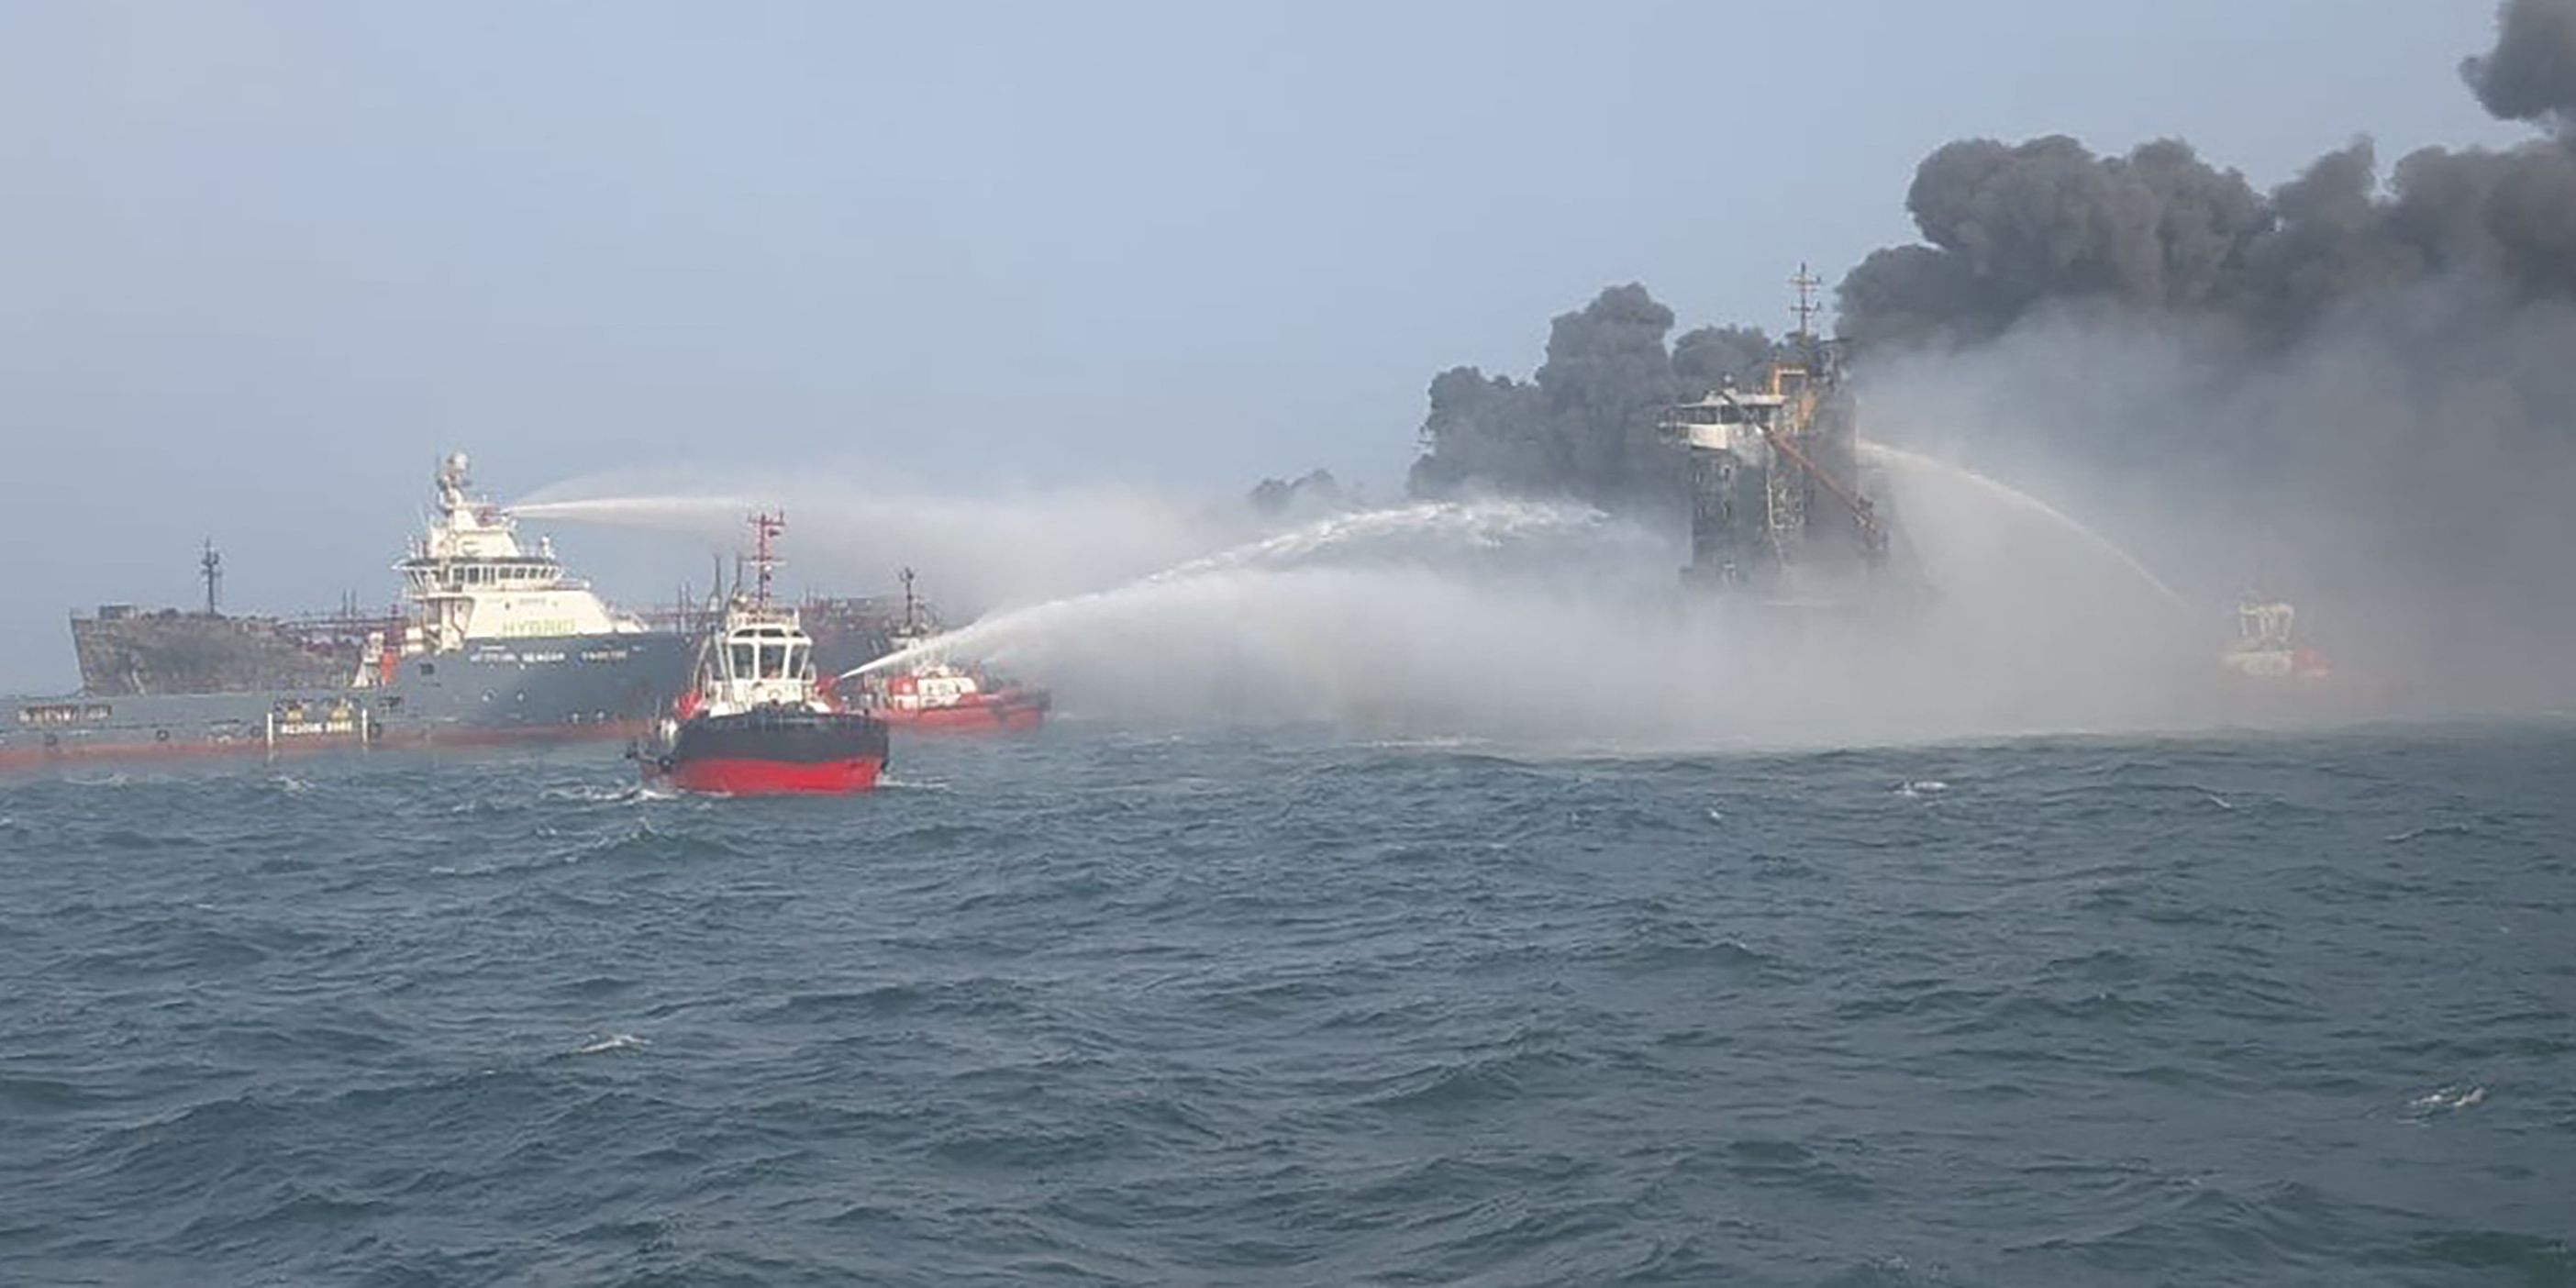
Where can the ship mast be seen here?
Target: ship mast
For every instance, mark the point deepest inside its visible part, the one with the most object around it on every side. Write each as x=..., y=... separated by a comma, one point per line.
x=911, y=606
x=1807, y=308
x=765, y=525
x=210, y=566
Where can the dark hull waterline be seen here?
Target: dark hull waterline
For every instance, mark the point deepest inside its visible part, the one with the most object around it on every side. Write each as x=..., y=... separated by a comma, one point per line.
x=770, y=751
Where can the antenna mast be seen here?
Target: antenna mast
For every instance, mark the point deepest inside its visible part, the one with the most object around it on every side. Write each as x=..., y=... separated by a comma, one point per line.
x=210, y=566
x=911, y=607
x=766, y=525
x=1806, y=283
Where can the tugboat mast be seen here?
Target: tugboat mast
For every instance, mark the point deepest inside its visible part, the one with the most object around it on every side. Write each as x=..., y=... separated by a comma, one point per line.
x=766, y=525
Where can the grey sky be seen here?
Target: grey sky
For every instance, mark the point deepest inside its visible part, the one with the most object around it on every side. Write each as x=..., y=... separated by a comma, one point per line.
x=260, y=262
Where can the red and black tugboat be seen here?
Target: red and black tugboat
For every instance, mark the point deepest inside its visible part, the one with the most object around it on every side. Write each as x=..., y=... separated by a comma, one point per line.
x=932, y=694
x=755, y=721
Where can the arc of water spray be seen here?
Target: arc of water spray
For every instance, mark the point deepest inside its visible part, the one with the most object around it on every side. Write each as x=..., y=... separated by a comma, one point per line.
x=637, y=511
x=1486, y=522
x=2029, y=504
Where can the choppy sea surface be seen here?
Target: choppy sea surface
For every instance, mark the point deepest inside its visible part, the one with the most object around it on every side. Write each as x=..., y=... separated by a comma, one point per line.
x=1102, y=1007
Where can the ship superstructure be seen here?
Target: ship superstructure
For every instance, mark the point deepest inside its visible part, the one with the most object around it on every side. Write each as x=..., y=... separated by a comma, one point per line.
x=1778, y=501
x=2264, y=648
x=494, y=643
x=469, y=581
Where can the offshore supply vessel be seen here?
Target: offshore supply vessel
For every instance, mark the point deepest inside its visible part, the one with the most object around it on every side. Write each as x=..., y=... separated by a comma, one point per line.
x=1781, y=512
x=755, y=719
x=493, y=642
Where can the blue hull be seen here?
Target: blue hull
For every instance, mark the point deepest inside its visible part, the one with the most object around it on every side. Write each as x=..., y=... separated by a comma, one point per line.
x=536, y=689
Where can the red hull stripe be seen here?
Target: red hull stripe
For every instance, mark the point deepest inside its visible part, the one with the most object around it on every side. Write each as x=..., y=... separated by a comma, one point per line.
x=772, y=777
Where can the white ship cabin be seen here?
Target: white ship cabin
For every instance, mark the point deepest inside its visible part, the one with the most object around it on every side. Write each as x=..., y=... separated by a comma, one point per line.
x=1728, y=421
x=2263, y=645
x=2262, y=625
x=765, y=658
x=472, y=581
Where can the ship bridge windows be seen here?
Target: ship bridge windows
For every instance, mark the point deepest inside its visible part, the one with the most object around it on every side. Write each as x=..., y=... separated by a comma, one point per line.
x=509, y=574
x=766, y=654
x=1734, y=413
x=63, y=713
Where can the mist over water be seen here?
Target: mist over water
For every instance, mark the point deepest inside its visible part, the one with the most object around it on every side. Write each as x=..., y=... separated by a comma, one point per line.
x=1532, y=622
x=1926, y=471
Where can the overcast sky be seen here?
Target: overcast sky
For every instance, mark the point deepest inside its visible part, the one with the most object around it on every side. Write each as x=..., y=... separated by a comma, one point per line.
x=261, y=262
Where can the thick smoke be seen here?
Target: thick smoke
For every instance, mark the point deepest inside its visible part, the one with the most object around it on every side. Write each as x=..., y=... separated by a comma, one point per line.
x=2357, y=389
x=2531, y=76
x=1584, y=424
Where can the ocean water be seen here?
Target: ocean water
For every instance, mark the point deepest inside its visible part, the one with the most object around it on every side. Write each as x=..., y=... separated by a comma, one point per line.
x=1110, y=1007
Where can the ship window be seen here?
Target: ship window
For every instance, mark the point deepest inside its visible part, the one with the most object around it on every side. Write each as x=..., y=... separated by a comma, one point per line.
x=742, y=660
x=773, y=657
x=795, y=661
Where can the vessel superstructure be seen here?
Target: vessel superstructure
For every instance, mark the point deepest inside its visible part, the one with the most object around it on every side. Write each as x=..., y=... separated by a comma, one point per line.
x=1779, y=504
x=2271, y=667
x=494, y=642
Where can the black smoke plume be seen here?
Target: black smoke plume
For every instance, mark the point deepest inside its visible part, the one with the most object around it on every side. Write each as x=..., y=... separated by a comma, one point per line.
x=2531, y=76
x=2359, y=386
x=1583, y=425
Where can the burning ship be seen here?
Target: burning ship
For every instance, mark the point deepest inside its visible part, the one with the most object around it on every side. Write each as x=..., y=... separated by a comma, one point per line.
x=1780, y=509
x=493, y=643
